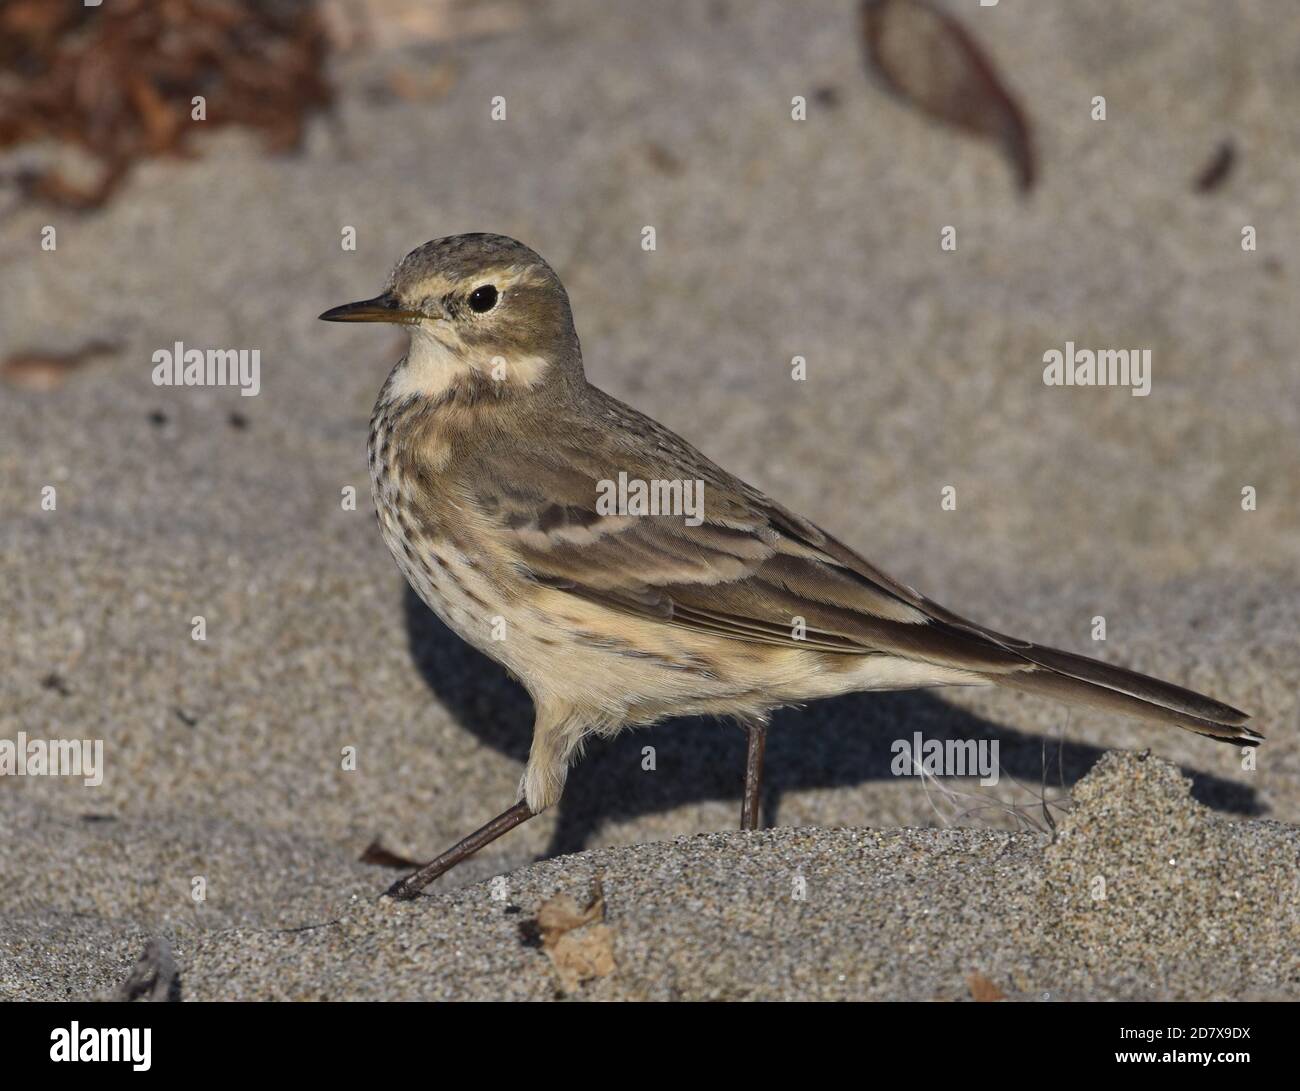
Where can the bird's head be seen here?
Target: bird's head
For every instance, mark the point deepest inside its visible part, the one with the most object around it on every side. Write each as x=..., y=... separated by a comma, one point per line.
x=480, y=307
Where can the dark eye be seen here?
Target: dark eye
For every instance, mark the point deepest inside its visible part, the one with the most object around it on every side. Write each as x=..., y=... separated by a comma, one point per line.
x=483, y=298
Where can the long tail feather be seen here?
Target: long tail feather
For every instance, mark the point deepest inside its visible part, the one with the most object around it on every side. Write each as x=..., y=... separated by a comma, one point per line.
x=1077, y=679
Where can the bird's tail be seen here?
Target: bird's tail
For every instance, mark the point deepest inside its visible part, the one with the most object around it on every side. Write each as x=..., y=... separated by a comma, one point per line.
x=1076, y=679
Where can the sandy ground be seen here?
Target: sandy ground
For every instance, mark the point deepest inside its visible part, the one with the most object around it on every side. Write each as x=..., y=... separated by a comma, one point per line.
x=775, y=238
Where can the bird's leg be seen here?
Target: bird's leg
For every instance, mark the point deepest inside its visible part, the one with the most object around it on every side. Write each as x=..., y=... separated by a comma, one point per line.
x=503, y=823
x=756, y=731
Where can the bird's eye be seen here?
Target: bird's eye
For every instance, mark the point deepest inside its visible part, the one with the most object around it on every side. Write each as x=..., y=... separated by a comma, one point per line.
x=483, y=298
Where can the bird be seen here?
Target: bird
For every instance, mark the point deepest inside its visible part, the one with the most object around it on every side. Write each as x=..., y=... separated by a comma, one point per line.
x=621, y=575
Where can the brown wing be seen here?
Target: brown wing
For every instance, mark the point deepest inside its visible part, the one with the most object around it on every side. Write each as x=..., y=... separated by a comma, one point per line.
x=750, y=570
x=753, y=571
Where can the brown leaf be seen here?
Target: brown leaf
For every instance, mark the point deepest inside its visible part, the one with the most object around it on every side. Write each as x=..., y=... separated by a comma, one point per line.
x=982, y=989
x=582, y=956
x=422, y=84
x=160, y=121
x=929, y=59
x=663, y=159
x=117, y=81
x=45, y=371
x=561, y=914
x=1216, y=171
x=575, y=939
x=376, y=854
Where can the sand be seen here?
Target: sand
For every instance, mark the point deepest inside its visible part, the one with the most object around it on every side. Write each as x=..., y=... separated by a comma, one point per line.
x=775, y=238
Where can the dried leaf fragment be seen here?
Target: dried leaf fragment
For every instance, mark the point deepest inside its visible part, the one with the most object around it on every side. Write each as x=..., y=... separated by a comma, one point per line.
x=122, y=81
x=1216, y=171
x=377, y=854
x=929, y=59
x=576, y=939
x=45, y=371
x=982, y=989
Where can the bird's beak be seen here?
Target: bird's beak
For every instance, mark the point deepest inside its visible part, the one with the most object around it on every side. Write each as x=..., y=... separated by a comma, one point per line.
x=383, y=308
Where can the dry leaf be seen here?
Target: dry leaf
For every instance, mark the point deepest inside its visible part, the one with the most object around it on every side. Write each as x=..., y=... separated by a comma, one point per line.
x=982, y=989
x=663, y=159
x=583, y=955
x=422, y=84
x=929, y=59
x=1216, y=171
x=376, y=854
x=45, y=371
x=575, y=939
x=561, y=914
x=402, y=24
x=117, y=81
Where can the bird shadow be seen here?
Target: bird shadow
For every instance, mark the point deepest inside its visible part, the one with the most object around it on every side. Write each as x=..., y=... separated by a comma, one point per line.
x=832, y=743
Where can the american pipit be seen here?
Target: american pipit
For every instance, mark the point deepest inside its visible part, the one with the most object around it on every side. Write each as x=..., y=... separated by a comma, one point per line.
x=621, y=575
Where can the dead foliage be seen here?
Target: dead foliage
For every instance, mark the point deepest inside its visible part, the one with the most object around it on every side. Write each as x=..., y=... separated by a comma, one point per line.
x=117, y=82
x=929, y=59
x=575, y=938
